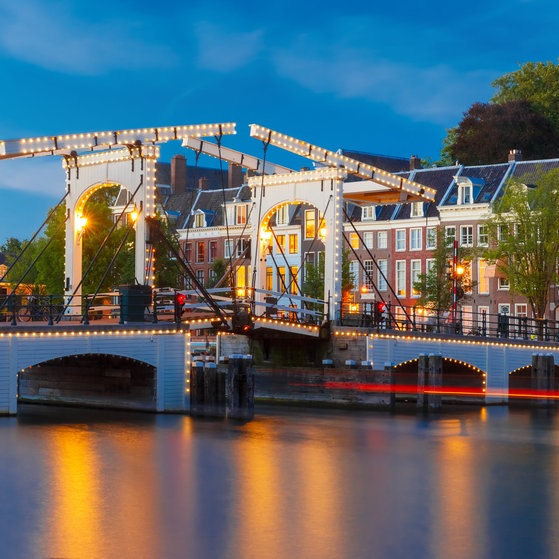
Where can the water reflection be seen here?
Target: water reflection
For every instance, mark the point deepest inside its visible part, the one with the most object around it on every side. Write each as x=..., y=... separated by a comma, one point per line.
x=292, y=483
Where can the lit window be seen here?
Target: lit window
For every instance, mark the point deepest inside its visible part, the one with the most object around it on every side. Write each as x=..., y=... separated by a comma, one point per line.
x=241, y=214
x=368, y=277
x=200, y=251
x=212, y=251
x=310, y=224
x=269, y=279
x=482, y=277
x=293, y=244
x=280, y=239
x=354, y=240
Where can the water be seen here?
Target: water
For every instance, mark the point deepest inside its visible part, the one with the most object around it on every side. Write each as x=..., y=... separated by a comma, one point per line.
x=293, y=483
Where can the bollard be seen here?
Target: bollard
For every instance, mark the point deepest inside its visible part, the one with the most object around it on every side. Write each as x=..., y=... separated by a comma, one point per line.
x=210, y=391
x=389, y=377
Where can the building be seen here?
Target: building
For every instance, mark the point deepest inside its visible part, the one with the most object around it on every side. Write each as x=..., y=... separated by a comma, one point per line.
x=389, y=246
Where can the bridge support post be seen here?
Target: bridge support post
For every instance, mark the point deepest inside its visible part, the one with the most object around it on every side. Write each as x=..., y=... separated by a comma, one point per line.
x=543, y=379
x=422, y=380
x=240, y=387
x=435, y=380
x=197, y=388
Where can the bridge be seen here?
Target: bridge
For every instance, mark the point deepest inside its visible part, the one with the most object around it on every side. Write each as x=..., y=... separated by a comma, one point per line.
x=139, y=354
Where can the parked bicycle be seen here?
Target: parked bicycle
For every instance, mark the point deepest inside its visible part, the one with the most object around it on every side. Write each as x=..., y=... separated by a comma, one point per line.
x=37, y=309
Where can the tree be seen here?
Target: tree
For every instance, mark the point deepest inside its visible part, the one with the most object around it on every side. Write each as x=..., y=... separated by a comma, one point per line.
x=489, y=131
x=436, y=286
x=313, y=286
x=524, y=237
x=535, y=82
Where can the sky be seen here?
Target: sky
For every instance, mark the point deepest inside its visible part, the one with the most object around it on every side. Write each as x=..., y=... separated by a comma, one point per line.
x=375, y=77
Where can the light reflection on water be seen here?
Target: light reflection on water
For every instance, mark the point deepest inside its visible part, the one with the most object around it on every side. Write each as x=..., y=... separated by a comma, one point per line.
x=292, y=483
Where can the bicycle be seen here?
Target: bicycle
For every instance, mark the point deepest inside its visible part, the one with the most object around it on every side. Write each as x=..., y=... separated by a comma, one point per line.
x=37, y=308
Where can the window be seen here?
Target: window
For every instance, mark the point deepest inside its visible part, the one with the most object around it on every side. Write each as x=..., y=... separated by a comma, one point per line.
x=188, y=252
x=294, y=280
x=368, y=277
x=368, y=212
x=382, y=239
x=199, y=219
x=200, y=276
x=415, y=271
x=415, y=238
x=212, y=251
x=465, y=194
x=382, y=277
x=368, y=237
x=269, y=279
x=240, y=279
x=281, y=279
x=282, y=215
x=430, y=264
x=354, y=240
x=310, y=224
x=502, y=231
x=401, y=278
x=212, y=276
x=450, y=233
x=521, y=310
x=235, y=248
x=482, y=278
x=280, y=239
x=416, y=209
x=466, y=235
x=293, y=244
x=241, y=214
x=200, y=251
x=482, y=235
x=431, y=238
x=503, y=284
x=309, y=261
x=482, y=317
x=400, y=239
x=354, y=272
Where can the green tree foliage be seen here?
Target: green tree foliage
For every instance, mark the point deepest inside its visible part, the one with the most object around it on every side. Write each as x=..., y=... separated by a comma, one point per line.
x=436, y=286
x=524, y=238
x=535, y=82
x=522, y=114
x=489, y=131
x=313, y=286
x=219, y=268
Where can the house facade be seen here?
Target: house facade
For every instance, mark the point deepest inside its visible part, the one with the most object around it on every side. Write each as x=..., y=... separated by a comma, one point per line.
x=388, y=246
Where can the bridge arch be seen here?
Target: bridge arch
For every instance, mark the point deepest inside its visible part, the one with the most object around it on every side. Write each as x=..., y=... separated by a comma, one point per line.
x=460, y=380
x=322, y=189
x=131, y=168
x=94, y=379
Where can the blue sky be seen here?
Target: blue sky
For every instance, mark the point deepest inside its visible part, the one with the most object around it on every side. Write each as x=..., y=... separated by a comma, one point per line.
x=376, y=77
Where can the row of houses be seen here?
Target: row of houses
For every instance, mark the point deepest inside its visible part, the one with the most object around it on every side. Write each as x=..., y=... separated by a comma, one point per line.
x=389, y=245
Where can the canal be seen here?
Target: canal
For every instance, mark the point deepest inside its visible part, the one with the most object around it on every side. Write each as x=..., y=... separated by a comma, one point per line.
x=293, y=483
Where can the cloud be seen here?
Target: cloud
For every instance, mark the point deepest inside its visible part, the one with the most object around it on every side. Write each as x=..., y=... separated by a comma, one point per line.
x=434, y=93
x=46, y=34
x=222, y=50
x=41, y=175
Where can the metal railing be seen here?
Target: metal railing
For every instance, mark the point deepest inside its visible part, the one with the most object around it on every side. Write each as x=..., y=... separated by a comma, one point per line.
x=465, y=323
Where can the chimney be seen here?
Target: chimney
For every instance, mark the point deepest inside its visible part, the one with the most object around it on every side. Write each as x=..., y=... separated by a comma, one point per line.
x=203, y=183
x=234, y=175
x=415, y=163
x=515, y=155
x=178, y=174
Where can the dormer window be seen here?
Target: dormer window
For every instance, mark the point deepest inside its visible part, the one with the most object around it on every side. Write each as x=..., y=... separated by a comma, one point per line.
x=416, y=209
x=282, y=215
x=468, y=189
x=199, y=219
x=369, y=212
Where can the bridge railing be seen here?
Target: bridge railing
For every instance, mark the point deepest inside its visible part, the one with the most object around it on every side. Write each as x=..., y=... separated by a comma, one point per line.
x=463, y=323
